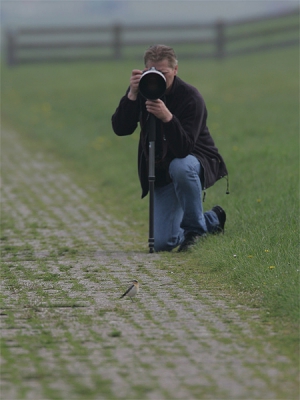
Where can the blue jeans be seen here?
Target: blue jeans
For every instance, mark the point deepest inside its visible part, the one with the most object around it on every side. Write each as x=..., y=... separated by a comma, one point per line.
x=178, y=206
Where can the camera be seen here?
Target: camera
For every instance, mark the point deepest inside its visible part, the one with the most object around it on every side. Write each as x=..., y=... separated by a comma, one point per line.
x=152, y=84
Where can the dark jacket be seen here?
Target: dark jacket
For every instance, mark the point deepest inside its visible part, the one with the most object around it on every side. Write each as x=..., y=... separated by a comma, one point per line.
x=186, y=133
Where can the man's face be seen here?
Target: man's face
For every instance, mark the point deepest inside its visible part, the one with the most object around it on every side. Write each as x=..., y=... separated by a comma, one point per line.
x=163, y=67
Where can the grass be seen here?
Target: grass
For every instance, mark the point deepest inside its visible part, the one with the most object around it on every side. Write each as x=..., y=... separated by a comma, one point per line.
x=253, y=108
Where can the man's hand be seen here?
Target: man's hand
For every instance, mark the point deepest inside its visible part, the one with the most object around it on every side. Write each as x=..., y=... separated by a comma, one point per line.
x=134, y=84
x=159, y=109
x=155, y=107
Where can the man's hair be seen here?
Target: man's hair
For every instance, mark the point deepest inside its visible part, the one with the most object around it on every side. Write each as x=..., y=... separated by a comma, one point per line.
x=160, y=52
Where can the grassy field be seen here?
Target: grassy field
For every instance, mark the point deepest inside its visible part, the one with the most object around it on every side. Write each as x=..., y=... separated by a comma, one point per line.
x=253, y=106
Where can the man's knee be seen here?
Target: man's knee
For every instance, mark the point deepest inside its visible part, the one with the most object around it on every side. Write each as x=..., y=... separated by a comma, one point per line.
x=180, y=168
x=161, y=245
x=165, y=244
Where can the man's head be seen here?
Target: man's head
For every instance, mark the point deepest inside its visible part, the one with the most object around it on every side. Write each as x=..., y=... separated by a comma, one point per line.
x=164, y=59
x=158, y=53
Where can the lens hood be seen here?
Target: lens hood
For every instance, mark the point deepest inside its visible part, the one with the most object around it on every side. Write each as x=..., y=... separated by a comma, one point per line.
x=152, y=84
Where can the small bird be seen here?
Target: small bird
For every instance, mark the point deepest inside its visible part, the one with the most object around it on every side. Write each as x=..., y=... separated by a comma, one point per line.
x=132, y=290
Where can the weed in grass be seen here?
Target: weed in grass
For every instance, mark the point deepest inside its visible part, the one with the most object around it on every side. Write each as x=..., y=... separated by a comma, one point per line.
x=62, y=251
x=115, y=333
x=65, y=268
x=50, y=277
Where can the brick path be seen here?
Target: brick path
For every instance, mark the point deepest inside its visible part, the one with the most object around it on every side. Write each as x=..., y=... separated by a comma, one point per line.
x=66, y=333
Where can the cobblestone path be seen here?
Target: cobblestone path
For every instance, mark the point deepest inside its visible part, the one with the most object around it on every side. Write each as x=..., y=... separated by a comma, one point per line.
x=67, y=335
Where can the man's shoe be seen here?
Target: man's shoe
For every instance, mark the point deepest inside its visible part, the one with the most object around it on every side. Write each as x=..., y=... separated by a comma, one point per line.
x=190, y=238
x=221, y=217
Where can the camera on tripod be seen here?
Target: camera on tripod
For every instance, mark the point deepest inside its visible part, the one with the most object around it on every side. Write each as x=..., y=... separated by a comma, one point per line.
x=152, y=84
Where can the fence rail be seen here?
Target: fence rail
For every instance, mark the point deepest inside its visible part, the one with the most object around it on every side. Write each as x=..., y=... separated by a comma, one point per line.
x=215, y=40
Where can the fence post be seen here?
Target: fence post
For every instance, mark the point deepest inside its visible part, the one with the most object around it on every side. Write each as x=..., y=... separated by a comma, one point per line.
x=117, y=41
x=11, y=58
x=220, y=39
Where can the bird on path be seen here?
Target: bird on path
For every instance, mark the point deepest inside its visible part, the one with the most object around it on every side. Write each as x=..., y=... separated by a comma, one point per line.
x=132, y=290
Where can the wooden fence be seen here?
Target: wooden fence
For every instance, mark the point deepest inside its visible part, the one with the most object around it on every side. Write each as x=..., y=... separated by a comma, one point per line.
x=93, y=43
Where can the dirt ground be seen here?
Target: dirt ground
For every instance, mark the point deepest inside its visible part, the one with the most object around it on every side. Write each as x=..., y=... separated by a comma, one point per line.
x=67, y=335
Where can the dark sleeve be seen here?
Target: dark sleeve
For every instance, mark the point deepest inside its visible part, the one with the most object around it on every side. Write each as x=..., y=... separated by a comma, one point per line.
x=126, y=117
x=188, y=121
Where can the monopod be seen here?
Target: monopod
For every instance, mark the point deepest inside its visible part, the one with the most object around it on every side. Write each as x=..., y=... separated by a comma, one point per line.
x=152, y=86
x=151, y=178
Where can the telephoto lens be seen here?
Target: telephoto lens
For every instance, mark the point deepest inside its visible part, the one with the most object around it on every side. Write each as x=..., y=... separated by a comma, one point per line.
x=152, y=84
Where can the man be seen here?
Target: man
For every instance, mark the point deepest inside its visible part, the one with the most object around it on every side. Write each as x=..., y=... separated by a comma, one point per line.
x=186, y=159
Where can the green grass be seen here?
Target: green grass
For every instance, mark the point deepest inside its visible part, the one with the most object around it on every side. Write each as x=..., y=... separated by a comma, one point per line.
x=253, y=108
